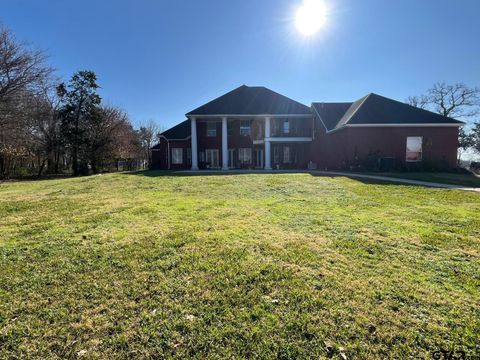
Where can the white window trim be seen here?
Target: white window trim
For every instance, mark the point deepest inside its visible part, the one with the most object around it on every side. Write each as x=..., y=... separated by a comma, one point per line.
x=217, y=156
x=421, y=149
x=214, y=129
x=289, y=160
x=286, y=125
x=249, y=127
x=244, y=151
x=231, y=158
x=176, y=161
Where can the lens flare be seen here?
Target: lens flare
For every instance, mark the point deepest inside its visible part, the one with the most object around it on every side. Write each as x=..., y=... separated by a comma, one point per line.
x=311, y=16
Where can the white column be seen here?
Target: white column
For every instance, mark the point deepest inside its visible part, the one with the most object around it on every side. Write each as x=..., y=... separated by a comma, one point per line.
x=224, y=144
x=268, y=164
x=193, y=122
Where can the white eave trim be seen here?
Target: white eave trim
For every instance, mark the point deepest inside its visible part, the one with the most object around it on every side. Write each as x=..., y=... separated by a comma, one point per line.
x=163, y=137
x=405, y=125
x=321, y=120
x=288, y=139
x=394, y=126
x=247, y=115
x=180, y=139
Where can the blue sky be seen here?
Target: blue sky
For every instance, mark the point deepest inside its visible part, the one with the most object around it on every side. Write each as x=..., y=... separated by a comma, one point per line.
x=160, y=59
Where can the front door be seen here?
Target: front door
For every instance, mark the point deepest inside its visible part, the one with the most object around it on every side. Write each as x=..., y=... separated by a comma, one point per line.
x=259, y=158
x=231, y=158
x=212, y=158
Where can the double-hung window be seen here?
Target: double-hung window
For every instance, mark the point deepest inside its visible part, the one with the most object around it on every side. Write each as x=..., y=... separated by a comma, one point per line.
x=177, y=156
x=245, y=127
x=211, y=129
x=414, y=148
x=286, y=126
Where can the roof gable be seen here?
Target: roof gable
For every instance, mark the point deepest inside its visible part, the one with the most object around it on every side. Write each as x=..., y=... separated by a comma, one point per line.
x=331, y=113
x=374, y=109
x=251, y=100
x=178, y=132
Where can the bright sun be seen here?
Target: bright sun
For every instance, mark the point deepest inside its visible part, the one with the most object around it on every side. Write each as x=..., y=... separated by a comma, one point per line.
x=311, y=16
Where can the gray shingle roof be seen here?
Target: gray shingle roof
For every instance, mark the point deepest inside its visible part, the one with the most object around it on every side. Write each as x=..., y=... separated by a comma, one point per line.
x=252, y=100
x=178, y=132
x=376, y=110
x=331, y=113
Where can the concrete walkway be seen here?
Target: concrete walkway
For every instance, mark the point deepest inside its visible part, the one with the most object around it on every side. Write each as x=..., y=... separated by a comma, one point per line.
x=332, y=173
x=397, y=180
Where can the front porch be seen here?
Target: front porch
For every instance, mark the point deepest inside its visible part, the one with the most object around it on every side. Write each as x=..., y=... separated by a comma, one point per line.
x=264, y=143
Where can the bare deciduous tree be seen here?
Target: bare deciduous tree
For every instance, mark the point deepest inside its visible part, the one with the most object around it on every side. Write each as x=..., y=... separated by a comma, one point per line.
x=148, y=135
x=22, y=71
x=421, y=101
x=476, y=138
x=45, y=127
x=111, y=138
x=21, y=68
x=457, y=101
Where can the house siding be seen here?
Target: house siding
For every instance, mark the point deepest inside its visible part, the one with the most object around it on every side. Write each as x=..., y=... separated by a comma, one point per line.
x=160, y=155
x=340, y=149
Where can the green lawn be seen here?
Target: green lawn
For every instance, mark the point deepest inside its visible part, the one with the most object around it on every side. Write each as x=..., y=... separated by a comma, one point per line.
x=468, y=180
x=243, y=266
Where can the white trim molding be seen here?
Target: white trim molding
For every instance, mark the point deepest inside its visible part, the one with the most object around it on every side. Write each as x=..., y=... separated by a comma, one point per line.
x=321, y=120
x=406, y=125
x=194, y=143
x=268, y=157
x=163, y=137
x=289, y=139
x=248, y=115
x=393, y=126
x=224, y=143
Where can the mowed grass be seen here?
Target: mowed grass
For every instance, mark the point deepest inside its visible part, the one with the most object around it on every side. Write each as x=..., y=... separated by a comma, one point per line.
x=153, y=265
x=468, y=180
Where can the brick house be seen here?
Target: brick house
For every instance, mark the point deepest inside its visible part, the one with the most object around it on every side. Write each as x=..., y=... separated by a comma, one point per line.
x=257, y=128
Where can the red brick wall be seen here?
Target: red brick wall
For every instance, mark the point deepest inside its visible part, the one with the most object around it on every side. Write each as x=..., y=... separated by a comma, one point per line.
x=333, y=151
x=160, y=159
x=337, y=149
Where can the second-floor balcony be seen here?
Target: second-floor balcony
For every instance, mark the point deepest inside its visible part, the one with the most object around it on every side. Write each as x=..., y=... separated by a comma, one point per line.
x=283, y=128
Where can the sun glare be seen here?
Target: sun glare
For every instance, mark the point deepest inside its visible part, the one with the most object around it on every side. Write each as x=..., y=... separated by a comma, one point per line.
x=311, y=16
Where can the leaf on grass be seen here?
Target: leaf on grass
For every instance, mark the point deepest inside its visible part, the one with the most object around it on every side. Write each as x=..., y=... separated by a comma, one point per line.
x=81, y=352
x=328, y=348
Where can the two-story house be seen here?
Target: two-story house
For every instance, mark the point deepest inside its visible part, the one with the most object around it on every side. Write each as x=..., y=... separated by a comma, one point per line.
x=257, y=128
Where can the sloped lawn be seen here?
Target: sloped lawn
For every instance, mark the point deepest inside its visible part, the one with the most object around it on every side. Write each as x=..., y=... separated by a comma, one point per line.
x=468, y=180
x=248, y=266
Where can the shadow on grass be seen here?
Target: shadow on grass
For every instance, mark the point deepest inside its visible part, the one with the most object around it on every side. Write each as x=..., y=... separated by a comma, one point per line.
x=27, y=178
x=186, y=173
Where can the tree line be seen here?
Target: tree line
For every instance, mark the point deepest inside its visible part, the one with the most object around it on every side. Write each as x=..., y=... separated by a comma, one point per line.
x=51, y=126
